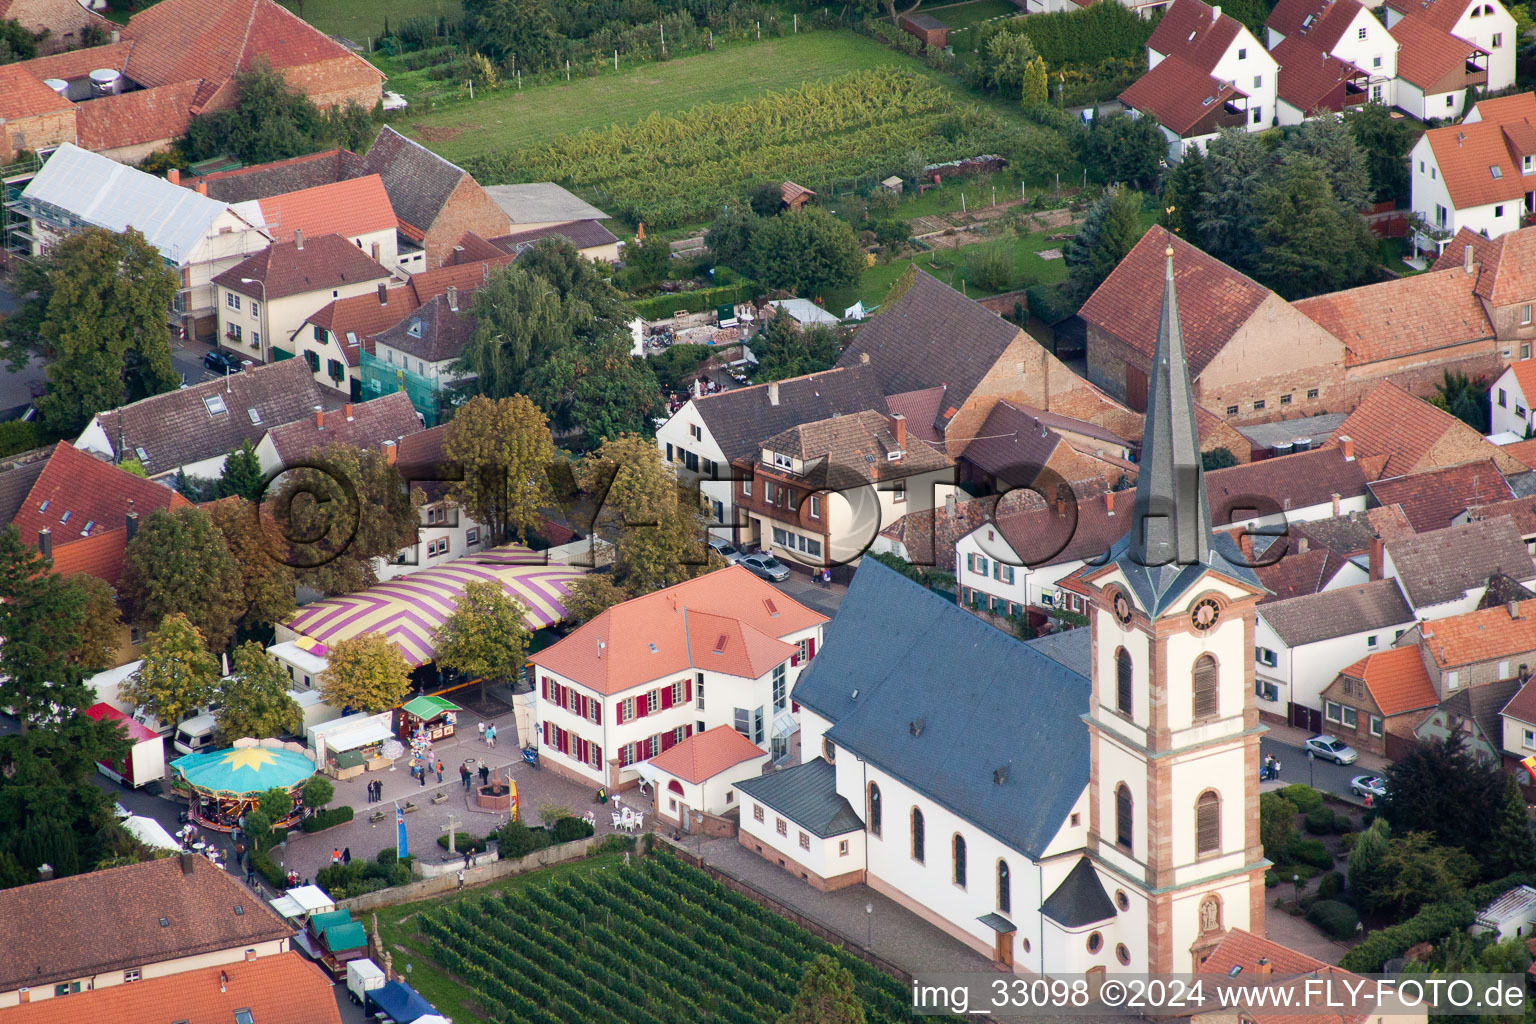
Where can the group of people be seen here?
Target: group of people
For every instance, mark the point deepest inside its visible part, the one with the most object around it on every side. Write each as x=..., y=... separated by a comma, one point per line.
x=1270, y=769
x=487, y=735
x=341, y=856
x=467, y=774
x=375, y=791
x=420, y=767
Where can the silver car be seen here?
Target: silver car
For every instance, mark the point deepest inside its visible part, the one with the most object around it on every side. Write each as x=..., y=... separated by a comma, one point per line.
x=1330, y=749
x=725, y=549
x=766, y=566
x=1373, y=786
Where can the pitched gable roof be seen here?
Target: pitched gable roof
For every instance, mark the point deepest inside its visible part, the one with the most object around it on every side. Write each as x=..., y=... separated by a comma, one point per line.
x=706, y=754
x=1012, y=445
x=842, y=450
x=433, y=332
x=1432, y=499
x=357, y=319
x=1482, y=635
x=1404, y=430
x=22, y=95
x=1405, y=316
x=131, y=118
x=1443, y=565
x=1482, y=704
x=1397, y=680
x=78, y=495
x=1466, y=153
x=295, y=174
x=1041, y=533
x=362, y=425
x=179, y=427
x=740, y=420
x=1310, y=618
x=1505, y=267
x=17, y=475
x=928, y=536
x=1016, y=713
x=356, y=206
x=931, y=336
x=807, y=795
x=1196, y=32
x=418, y=180
x=613, y=651
x=921, y=408
x=1320, y=22
x=57, y=930
x=1521, y=510
x=1179, y=94
x=1292, y=482
x=1348, y=534
x=1214, y=299
x=1522, y=706
x=1300, y=573
x=1309, y=74
x=1241, y=954
x=1080, y=899
x=1443, y=14
x=293, y=268
x=1430, y=57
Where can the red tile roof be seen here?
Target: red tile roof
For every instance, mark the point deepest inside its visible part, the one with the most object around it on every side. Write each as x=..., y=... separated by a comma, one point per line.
x=357, y=206
x=1442, y=14
x=22, y=95
x=1430, y=500
x=1179, y=94
x=1397, y=679
x=1309, y=75
x=1214, y=299
x=1406, y=316
x=1505, y=266
x=363, y=425
x=1320, y=22
x=1429, y=57
x=84, y=495
x=360, y=317
x=704, y=755
x=1524, y=451
x=323, y=264
x=1300, y=573
x=1522, y=706
x=280, y=989
x=1196, y=32
x=1525, y=376
x=1467, y=152
x=1242, y=955
x=1483, y=635
x=1405, y=430
x=614, y=651
x=73, y=64
x=145, y=115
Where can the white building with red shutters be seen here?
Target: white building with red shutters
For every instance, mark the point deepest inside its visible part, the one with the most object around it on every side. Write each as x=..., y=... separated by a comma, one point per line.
x=724, y=648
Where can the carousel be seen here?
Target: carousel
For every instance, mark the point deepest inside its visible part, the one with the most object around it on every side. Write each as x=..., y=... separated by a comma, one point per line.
x=224, y=784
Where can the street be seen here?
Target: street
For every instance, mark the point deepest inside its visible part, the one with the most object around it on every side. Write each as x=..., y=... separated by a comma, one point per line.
x=1319, y=774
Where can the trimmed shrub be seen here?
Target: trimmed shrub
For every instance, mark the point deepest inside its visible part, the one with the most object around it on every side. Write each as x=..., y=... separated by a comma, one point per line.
x=1330, y=885
x=570, y=829
x=1312, y=852
x=613, y=842
x=1303, y=796
x=1319, y=821
x=515, y=840
x=1271, y=879
x=1337, y=920
x=1431, y=924
x=387, y=858
x=321, y=820
x=266, y=868
x=463, y=843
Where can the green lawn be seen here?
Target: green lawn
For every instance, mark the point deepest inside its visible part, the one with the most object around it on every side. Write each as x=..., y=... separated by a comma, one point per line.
x=509, y=117
x=362, y=20
x=961, y=15
x=396, y=929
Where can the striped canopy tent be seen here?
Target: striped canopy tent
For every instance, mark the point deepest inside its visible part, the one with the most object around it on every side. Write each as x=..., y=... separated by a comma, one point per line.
x=409, y=609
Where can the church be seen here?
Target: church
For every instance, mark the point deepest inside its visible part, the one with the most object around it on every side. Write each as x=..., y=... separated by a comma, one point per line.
x=1082, y=803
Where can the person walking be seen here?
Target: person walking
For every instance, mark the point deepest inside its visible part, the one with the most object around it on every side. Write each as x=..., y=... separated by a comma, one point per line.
x=439, y=769
x=481, y=727
x=421, y=774
x=485, y=774
x=461, y=878
x=335, y=856
x=346, y=855
x=464, y=775
x=240, y=854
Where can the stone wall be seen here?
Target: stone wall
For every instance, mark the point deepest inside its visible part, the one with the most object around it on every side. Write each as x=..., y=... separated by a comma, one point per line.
x=478, y=875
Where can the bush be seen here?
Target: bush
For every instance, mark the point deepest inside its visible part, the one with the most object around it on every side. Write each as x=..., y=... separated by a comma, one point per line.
x=1330, y=885
x=1431, y=924
x=321, y=820
x=514, y=840
x=1347, y=840
x=1304, y=797
x=1271, y=879
x=1310, y=851
x=1050, y=303
x=17, y=436
x=318, y=792
x=266, y=868
x=463, y=843
x=387, y=858
x=1319, y=821
x=570, y=829
x=1337, y=920
x=613, y=842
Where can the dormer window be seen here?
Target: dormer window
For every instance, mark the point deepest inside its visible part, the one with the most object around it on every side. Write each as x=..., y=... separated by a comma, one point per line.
x=782, y=461
x=1527, y=164
x=414, y=329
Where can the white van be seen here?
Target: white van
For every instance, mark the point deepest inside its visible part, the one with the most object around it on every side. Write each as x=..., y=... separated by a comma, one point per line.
x=195, y=734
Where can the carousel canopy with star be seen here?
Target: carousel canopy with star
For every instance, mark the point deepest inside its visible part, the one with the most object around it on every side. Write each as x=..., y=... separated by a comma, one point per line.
x=243, y=772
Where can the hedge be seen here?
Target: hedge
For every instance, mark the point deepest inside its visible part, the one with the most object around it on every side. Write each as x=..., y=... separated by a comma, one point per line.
x=463, y=842
x=1319, y=821
x=568, y=830
x=660, y=307
x=322, y=820
x=1310, y=851
x=1430, y=924
x=1330, y=885
x=1303, y=796
x=1338, y=920
x=270, y=872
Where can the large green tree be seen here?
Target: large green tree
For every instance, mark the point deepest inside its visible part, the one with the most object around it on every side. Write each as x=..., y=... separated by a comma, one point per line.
x=1183, y=197
x=504, y=449
x=1006, y=53
x=730, y=236
x=785, y=349
x=16, y=43
x=1235, y=165
x=254, y=700
x=272, y=120
x=266, y=590
x=1441, y=789
x=1331, y=143
x=180, y=564
x=597, y=387
x=521, y=33
x=1510, y=848
x=808, y=252
x=1368, y=860
x=102, y=625
x=97, y=313
x=41, y=622
x=1111, y=228
x=1385, y=141
x=242, y=476
x=486, y=636
x=825, y=996
x=1309, y=242
x=1120, y=148
x=1417, y=872
x=366, y=673
x=178, y=676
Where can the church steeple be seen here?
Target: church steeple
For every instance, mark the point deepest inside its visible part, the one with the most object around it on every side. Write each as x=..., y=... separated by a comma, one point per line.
x=1171, y=523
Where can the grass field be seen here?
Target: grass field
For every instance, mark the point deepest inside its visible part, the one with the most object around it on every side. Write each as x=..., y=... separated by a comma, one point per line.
x=961, y=15
x=510, y=117
x=361, y=20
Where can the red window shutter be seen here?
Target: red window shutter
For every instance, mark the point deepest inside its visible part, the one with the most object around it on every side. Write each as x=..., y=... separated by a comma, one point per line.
x=794, y=706
x=546, y=730
x=583, y=706
x=546, y=688
x=597, y=755
x=688, y=692
x=666, y=741
x=794, y=659
x=666, y=697
x=640, y=705
x=597, y=712
x=810, y=649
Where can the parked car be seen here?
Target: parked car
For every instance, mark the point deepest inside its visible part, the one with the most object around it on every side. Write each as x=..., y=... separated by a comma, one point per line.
x=766, y=566
x=1330, y=749
x=1373, y=786
x=221, y=362
x=725, y=549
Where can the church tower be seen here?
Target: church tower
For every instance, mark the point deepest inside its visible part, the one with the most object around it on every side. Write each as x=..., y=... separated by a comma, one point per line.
x=1174, y=732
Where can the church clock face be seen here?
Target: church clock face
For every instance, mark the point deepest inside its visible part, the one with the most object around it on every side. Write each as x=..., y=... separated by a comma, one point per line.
x=1204, y=615
x=1122, y=609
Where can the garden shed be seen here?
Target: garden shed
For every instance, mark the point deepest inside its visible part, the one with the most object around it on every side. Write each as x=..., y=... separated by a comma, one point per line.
x=926, y=27
x=1511, y=915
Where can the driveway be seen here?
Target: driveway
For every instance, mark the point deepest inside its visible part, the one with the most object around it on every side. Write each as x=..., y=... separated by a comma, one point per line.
x=813, y=595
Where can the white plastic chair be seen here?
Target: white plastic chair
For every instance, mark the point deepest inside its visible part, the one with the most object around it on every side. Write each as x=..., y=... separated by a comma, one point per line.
x=618, y=821
x=639, y=823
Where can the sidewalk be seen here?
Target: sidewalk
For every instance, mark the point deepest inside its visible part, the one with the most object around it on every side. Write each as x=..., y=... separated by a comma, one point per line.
x=1295, y=737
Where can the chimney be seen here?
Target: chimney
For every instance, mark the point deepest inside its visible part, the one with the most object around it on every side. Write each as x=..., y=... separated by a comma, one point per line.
x=346, y=411
x=773, y=393
x=1264, y=966
x=1377, y=556
x=319, y=418
x=949, y=503
x=1514, y=610
x=453, y=298
x=391, y=450
x=23, y=995
x=44, y=872
x=383, y=294
x=174, y=177
x=1301, y=545
x=187, y=858
x=1466, y=258
x=133, y=525
x=899, y=430
x=1335, y=497
x=375, y=252
x=298, y=238
x=45, y=542
x=1245, y=545
x=202, y=188
x=1061, y=507
x=117, y=37
x=1215, y=14
x=1109, y=502
x=223, y=981
x=1347, y=446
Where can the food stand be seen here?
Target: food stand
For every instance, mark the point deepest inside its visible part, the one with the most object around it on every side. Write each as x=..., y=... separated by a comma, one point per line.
x=224, y=784
x=347, y=747
x=434, y=718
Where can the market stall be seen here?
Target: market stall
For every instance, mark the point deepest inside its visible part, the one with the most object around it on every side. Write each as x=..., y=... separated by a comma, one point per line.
x=347, y=747
x=224, y=784
x=302, y=902
x=434, y=718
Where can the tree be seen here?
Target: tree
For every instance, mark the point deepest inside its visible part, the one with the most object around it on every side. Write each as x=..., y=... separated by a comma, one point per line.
x=597, y=387
x=505, y=451
x=1442, y=790
x=318, y=792
x=1510, y=847
x=766, y=199
x=97, y=313
x=254, y=702
x=275, y=803
x=242, y=476
x=1416, y=872
x=592, y=595
x=101, y=626
x=1217, y=458
x=41, y=620
x=266, y=587
x=785, y=349
x=1229, y=215
x=730, y=236
x=16, y=43
x=1183, y=198
x=271, y=121
x=519, y=322
x=366, y=673
x=259, y=827
x=649, y=261
x=657, y=526
x=1277, y=825
x=486, y=636
x=1332, y=144
x=1464, y=397
x=178, y=676
x=520, y=31
x=677, y=367
x=825, y=996
x=1308, y=241
x=1120, y=148
x=809, y=252
x=989, y=266
x=180, y=564
x=1005, y=58
x=1367, y=859
x=1035, y=89
x=1109, y=231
